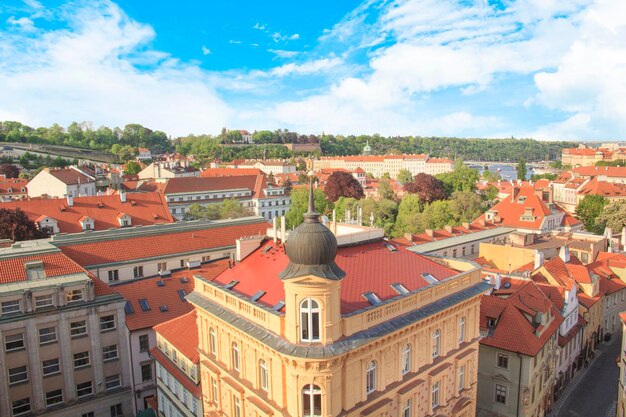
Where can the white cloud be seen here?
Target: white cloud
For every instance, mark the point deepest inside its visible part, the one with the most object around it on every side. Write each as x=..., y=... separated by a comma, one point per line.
x=205, y=50
x=281, y=53
x=310, y=67
x=234, y=42
x=87, y=73
x=258, y=26
x=24, y=23
x=294, y=37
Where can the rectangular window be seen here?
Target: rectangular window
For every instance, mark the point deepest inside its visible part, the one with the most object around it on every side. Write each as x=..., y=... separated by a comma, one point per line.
x=14, y=342
x=54, y=397
x=84, y=389
x=114, y=275
x=406, y=411
x=112, y=382
x=236, y=406
x=51, y=367
x=11, y=307
x=144, y=343
x=109, y=353
x=17, y=375
x=20, y=407
x=213, y=341
x=73, y=296
x=462, y=378
x=503, y=361
x=47, y=335
x=435, y=395
x=81, y=359
x=138, y=271
x=146, y=372
x=89, y=414
x=43, y=301
x=116, y=410
x=162, y=266
x=78, y=328
x=500, y=394
x=107, y=323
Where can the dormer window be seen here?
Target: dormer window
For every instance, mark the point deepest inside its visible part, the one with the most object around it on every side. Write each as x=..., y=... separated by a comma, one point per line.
x=124, y=220
x=309, y=321
x=87, y=223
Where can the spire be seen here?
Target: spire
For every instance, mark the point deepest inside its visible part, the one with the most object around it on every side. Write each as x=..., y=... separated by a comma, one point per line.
x=311, y=215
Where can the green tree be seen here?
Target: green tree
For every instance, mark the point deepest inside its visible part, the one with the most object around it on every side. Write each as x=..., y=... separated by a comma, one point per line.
x=232, y=209
x=491, y=176
x=300, y=203
x=132, y=168
x=588, y=211
x=521, y=169
x=491, y=193
x=462, y=178
x=385, y=191
x=405, y=176
x=409, y=211
x=465, y=206
x=342, y=205
x=438, y=214
x=613, y=216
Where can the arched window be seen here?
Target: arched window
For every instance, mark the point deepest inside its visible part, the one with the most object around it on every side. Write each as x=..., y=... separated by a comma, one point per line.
x=311, y=401
x=263, y=375
x=235, y=356
x=462, y=330
x=213, y=341
x=436, y=343
x=309, y=320
x=406, y=359
x=370, y=377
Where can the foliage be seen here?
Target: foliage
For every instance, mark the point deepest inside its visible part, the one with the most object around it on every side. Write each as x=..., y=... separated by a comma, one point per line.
x=342, y=184
x=427, y=187
x=491, y=176
x=123, y=153
x=132, y=168
x=521, y=169
x=405, y=176
x=211, y=212
x=462, y=178
x=300, y=203
x=613, y=216
x=465, y=207
x=287, y=185
x=15, y=225
x=384, y=189
x=232, y=209
x=9, y=171
x=228, y=209
x=491, y=193
x=547, y=176
x=409, y=212
x=617, y=163
x=588, y=211
x=558, y=164
x=342, y=205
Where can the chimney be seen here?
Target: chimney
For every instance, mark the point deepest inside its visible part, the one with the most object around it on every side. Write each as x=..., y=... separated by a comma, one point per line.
x=539, y=258
x=409, y=237
x=495, y=281
x=274, y=229
x=429, y=232
x=283, y=230
x=514, y=193
x=448, y=228
x=465, y=225
x=123, y=196
x=70, y=200
x=608, y=233
x=246, y=245
x=564, y=253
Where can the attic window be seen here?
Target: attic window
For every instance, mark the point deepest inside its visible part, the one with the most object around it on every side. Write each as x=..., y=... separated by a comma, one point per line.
x=400, y=289
x=100, y=204
x=231, y=284
x=507, y=285
x=491, y=322
x=372, y=298
x=182, y=294
x=163, y=308
x=279, y=306
x=160, y=283
x=183, y=280
x=267, y=249
x=128, y=308
x=430, y=278
x=391, y=247
x=521, y=199
x=133, y=203
x=258, y=295
x=35, y=270
x=143, y=303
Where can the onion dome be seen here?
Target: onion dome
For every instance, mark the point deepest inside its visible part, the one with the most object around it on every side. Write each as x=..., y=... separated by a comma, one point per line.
x=312, y=247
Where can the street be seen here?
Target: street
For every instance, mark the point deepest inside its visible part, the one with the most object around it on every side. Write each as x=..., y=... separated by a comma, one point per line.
x=596, y=393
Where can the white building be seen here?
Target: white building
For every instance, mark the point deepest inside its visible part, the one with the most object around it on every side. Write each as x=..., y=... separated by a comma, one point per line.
x=143, y=154
x=388, y=164
x=62, y=182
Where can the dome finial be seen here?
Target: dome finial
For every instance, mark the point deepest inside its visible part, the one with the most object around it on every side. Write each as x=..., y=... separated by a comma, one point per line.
x=312, y=211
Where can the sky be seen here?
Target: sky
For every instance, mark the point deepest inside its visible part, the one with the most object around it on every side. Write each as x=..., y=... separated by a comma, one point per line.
x=545, y=69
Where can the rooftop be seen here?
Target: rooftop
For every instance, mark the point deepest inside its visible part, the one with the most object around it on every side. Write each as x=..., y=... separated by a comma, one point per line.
x=70, y=176
x=183, y=325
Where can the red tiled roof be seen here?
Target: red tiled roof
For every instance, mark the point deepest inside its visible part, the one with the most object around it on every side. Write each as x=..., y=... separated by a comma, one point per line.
x=603, y=188
x=182, y=333
x=513, y=331
x=444, y=234
x=163, y=296
x=369, y=267
x=586, y=151
x=70, y=176
x=55, y=264
x=595, y=171
x=109, y=251
x=200, y=184
x=144, y=209
x=143, y=185
x=439, y=161
x=15, y=184
x=229, y=172
x=511, y=212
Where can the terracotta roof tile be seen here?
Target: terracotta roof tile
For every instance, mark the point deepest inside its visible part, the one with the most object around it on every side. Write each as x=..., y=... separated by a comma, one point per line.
x=70, y=176
x=55, y=264
x=182, y=333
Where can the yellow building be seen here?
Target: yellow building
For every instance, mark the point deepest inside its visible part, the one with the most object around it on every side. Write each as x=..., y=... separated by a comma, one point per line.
x=621, y=386
x=312, y=329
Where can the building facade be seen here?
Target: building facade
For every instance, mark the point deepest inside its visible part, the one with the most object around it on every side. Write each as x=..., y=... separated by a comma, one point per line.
x=59, y=183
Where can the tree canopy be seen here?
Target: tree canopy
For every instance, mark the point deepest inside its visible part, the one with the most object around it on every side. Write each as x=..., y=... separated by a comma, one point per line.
x=342, y=184
x=613, y=216
x=462, y=178
x=132, y=168
x=521, y=169
x=588, y=211
x=9, y=171
x=427, y=188
x=15, y=225
x=300, y=203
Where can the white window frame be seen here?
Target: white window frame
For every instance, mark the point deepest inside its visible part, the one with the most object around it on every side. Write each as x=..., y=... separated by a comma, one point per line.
x=112, y=382
x=52, y=368
x=309, y=394
x=310, y=320
x=500, y=394
x=263, y=375
x=236, y=359
x=435, y=394
x=58, y=397
x=106, y=321
x=406, y=359
x=74, y=296
x=462, y=377
x=26, y=403
x=44, y=301
x=80, y=357
x=18, y=375
x=83, y=385
x=462, y=328
x=81, y=327
x=213, y=341
x=436, y=343
x=52, y=335
x=14, y=338
x=370, y=377
x=108, y=352
x=11, y=307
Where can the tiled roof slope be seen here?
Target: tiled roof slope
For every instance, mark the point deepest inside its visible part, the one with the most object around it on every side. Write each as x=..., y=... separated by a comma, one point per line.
x=70, y=176
x=595, y=171
x=369, y=267
x=55, y=264
x=144, y=209
x=603, y=188
x=166, y=295
x=200, y=184
x=182, y=333
x=229, y=172
x=110, y=251
x=15, y=184
x=513, y=331
x=511, y=210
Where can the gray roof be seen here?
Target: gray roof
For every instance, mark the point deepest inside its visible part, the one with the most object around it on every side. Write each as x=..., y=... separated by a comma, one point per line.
x=343, y=345
x=460, y=240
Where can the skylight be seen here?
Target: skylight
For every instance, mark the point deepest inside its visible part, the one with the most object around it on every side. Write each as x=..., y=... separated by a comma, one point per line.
x=184, y=280
x=160, y=283
x=430, y=278
x=372, y=298
x=258, y=295
x=128, y=308
x=400, y=289
x=163, y=308
x=391, y=247
x=182, y=294
x=279, y=306
x=231, y=284
x=143, y=303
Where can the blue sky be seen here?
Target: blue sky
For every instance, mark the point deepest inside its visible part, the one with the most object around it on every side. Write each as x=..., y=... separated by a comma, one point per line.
x=547, y=69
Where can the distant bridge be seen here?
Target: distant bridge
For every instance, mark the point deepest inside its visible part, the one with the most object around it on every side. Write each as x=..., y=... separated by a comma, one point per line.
x=541, y=164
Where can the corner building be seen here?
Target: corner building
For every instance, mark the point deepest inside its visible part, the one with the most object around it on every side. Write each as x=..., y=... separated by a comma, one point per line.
x=313, y=329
